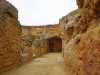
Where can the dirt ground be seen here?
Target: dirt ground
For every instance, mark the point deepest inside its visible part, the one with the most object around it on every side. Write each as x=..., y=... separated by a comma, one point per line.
x=49, y=64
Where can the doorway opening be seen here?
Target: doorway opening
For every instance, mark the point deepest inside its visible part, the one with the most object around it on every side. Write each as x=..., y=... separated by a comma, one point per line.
x=55, y=44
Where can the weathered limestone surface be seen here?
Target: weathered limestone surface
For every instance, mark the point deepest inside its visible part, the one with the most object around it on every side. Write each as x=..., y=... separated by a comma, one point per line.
x=10, y=36
x=82, y=49
x=67, y=24
x=40, y=46
x=41, y=30
x=39, y=36
x=79, y=30
x=26, y=48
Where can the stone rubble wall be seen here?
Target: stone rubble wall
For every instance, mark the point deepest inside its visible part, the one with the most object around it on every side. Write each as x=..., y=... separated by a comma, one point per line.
x=10, y=36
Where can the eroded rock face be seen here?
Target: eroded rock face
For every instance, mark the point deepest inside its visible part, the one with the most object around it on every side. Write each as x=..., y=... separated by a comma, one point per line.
x=90, y=11
x=67, y=24
x=39, y=44
x=10, y=36
x=27, y=53
x=80, y=3
x=79, y=30
x=82, y=52
x=89, y=23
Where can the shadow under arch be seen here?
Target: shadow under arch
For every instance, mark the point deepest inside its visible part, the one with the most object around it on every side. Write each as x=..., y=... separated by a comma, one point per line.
x=55, y=44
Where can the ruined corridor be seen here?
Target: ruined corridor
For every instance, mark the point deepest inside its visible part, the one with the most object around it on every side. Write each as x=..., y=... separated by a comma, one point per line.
x=74, y=43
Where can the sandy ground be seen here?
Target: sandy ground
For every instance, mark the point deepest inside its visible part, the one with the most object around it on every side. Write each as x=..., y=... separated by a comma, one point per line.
x=49, y=64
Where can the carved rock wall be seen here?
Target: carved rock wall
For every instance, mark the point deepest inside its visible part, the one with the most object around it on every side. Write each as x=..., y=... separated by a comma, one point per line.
x=10, y=36
x=82, y=49
x=40, y=35
x=66, y=27
x=79, y=30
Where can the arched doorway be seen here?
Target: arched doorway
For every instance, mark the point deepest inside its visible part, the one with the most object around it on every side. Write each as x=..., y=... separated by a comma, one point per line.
x=55, y=44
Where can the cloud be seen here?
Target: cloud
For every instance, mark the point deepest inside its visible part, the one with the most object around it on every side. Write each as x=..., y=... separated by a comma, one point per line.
x=40, y=12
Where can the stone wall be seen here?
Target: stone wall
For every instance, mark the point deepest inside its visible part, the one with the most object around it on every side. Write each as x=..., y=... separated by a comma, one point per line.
x=41, y=30
x=40, y=46
x=40, y=35
x=81, y=43
x=67, y=24
x=10, y=36
x=26, y=48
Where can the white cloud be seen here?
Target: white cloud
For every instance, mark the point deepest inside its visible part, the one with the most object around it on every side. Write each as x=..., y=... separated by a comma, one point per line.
x=39, y=12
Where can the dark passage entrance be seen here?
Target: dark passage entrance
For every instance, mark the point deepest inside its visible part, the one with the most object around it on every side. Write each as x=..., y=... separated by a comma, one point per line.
x=55, y=44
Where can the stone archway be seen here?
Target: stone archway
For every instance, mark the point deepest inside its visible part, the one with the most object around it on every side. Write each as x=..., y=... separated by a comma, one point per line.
x=55, y=44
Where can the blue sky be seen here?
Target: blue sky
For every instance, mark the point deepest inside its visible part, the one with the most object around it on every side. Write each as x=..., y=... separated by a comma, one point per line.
x=42, y=12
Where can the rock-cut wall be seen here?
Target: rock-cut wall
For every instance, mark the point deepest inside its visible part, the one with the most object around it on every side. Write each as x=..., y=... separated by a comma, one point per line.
x=35, y=39
x=10, y=36
x=78, y=32
x=81, y=39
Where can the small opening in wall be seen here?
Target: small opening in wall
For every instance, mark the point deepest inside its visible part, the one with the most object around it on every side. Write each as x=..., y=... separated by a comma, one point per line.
x=55, y=44
x=91, y=61
x=96, y=11
x=84, y=30
x=70, y=32
x=78, y=40
x=80, y=58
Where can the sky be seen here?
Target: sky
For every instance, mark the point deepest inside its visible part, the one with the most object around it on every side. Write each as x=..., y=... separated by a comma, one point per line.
x=42, y=12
